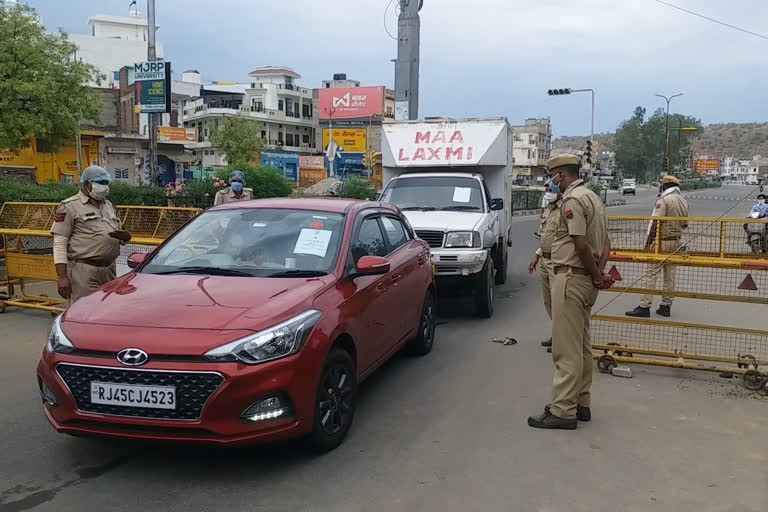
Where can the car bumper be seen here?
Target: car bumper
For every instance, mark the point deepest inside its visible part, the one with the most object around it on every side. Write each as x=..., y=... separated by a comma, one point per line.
x=458, y=262
x=219, y=421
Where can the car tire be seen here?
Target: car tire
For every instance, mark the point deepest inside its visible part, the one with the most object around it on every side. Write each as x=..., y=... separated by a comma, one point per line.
x=484, y=299
x=335, y=402
x=501, y=271
x=422, y=344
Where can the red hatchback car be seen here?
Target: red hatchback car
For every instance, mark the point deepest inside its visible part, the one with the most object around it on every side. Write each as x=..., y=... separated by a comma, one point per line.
x=254, y=322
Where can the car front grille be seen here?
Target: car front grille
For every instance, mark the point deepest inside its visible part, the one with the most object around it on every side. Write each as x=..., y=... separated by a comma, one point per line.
x=433, y=238
x=192, y=389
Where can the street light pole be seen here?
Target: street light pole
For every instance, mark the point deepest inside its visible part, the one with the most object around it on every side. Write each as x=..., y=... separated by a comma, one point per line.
x=151, y=57
x=666, y=131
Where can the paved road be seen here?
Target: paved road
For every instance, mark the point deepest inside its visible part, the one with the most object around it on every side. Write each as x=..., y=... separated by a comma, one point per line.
x=442, y=433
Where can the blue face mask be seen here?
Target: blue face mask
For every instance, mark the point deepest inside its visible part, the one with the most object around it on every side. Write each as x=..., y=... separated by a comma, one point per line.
x=554, y=187
x=237, y=186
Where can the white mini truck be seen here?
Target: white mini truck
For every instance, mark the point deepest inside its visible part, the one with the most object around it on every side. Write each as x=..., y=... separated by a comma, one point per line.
x=453, y=181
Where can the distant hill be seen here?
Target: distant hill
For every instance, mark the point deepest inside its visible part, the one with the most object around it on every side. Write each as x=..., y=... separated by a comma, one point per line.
x=742, y=140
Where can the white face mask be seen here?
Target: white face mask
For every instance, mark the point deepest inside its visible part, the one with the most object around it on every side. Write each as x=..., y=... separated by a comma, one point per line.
x=550, y=196
x=99, y=192
x=761, y=201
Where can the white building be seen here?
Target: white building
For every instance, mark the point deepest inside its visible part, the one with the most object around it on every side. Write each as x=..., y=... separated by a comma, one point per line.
x=745, y=172
x=113, y=42
x=531, y=148
x=285, y=111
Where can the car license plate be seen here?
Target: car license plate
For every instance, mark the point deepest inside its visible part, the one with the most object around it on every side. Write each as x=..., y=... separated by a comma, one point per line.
x=133, y=395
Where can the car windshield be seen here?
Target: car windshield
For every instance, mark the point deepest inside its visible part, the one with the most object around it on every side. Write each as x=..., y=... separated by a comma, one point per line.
x=435, y=193
x=263, y=242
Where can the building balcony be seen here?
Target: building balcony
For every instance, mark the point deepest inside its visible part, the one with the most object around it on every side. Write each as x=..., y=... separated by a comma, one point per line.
x=284, y=89
x=257, y=114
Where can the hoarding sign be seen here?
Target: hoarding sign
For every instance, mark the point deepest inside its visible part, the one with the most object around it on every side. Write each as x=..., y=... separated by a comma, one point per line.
x=444, y=143
x=286, y=163
x=706, y=166
x=152, y=86
x=342, y=102
x=348, y=139
x=175, y=133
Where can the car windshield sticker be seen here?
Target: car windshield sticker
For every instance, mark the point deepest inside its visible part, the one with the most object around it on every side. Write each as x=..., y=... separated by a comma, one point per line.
x=313, y=241
x=461, y=194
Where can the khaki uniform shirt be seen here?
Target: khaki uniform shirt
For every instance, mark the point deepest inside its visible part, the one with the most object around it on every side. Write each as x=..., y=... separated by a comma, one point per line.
x=551, y=217
x=86, y=225
x=672, y=204
x=582, y=213
x=227, y=195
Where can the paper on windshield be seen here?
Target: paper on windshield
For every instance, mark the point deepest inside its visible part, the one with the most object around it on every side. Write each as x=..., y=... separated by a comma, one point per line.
x=461, y=194
x=313, y=242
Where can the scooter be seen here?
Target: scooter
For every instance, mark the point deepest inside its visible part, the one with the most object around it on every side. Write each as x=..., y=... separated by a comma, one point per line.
x=757, y=234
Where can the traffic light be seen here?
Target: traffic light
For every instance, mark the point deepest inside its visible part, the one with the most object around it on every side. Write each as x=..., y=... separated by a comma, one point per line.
x=365, y=159
x=558, y=92
x=588, y=153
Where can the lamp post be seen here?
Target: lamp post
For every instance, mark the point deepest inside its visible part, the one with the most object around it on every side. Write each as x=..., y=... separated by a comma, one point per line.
x=666, y=131
x=559, y=92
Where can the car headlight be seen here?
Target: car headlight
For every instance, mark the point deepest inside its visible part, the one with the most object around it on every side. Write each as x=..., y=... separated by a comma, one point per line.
x=57, y=341
x=275, y=342
x=462, y=239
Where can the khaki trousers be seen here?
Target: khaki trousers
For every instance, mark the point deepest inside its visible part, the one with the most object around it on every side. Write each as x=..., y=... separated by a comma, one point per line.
x=573, y=296
x=545, y=272
x=86, y=278
x=652, y=275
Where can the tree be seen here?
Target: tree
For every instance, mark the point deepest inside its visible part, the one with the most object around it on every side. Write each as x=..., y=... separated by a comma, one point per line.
x=43, y=88
x=640, y=143
x=239, y=138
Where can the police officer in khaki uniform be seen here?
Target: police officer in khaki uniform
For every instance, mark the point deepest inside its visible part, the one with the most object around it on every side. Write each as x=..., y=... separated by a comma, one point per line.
x=87, y=235
x=235, y=192
x=579, y=251
x=670, y=203
x=543, y=254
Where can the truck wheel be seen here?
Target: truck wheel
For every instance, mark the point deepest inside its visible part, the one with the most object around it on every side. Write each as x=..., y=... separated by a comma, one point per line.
x=501, y=271
x=484, y=300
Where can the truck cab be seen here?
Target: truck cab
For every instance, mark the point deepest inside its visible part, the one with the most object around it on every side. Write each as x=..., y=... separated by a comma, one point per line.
x=455, y=203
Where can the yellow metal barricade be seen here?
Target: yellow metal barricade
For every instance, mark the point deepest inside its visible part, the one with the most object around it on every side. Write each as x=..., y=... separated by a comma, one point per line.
x=723, y=284
x=26, y=260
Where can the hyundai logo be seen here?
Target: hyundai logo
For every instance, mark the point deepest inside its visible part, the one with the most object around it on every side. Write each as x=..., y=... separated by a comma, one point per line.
x=132, y=357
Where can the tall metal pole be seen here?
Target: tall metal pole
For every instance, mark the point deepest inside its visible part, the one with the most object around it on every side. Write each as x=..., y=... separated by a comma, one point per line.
x=407, y=63
x=666, y=132
x=79, y=149
x=152, y=56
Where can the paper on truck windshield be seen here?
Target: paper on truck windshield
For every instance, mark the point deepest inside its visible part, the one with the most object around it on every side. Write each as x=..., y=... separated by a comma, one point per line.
x=313, y=242
x=461, y=194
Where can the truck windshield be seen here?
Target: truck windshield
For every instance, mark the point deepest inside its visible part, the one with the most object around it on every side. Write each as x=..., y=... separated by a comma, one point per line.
x=435, y=193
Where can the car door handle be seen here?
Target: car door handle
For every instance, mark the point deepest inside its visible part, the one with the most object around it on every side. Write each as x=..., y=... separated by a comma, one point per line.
x=397, y=277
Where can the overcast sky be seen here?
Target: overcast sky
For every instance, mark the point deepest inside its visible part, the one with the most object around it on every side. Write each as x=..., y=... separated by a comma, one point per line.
x=481, y=57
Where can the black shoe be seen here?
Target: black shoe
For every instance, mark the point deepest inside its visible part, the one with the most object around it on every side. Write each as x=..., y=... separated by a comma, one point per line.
x=640, y=312
x=547, y=343
x=664, y=311
x=582, y=413
x=550, y=421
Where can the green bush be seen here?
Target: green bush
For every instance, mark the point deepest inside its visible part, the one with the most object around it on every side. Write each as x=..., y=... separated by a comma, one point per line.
x=14, y=190
x=121, y=193
x=265, y=180
x=358, y=188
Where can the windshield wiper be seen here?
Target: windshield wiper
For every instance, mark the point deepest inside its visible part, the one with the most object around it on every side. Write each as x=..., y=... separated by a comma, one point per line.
x=420, y=208
x=459, y=207
x=214, y=271
x=298, y=273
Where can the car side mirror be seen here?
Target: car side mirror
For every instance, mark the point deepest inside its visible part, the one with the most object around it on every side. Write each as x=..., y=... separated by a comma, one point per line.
x=497, y=204
x=136, y=258
x=371, y=266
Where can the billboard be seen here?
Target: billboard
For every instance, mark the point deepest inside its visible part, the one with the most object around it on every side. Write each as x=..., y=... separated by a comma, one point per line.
x=706, y=166
x=345, y=102
x=176, y=133
x=286, y=163
x=348, y=139
x=152, y=86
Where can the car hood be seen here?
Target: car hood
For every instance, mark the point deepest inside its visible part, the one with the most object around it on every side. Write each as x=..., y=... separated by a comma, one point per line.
x=443, y=221
x=196, y=301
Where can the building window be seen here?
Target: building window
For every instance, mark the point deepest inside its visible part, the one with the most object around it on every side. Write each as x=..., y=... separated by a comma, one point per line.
x=289, y=139
x=280, y=105
x=263, y=134
x=279, y=137
x=305, y=139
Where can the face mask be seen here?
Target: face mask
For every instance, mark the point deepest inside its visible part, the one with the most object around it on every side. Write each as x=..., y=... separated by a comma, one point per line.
x=554, y=187
x=99, y=192
x=237, y=186
x=761, y=201
x=550, y=196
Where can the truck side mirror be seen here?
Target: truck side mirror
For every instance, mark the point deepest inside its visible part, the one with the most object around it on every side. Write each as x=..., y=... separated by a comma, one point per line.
x=497, y=204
